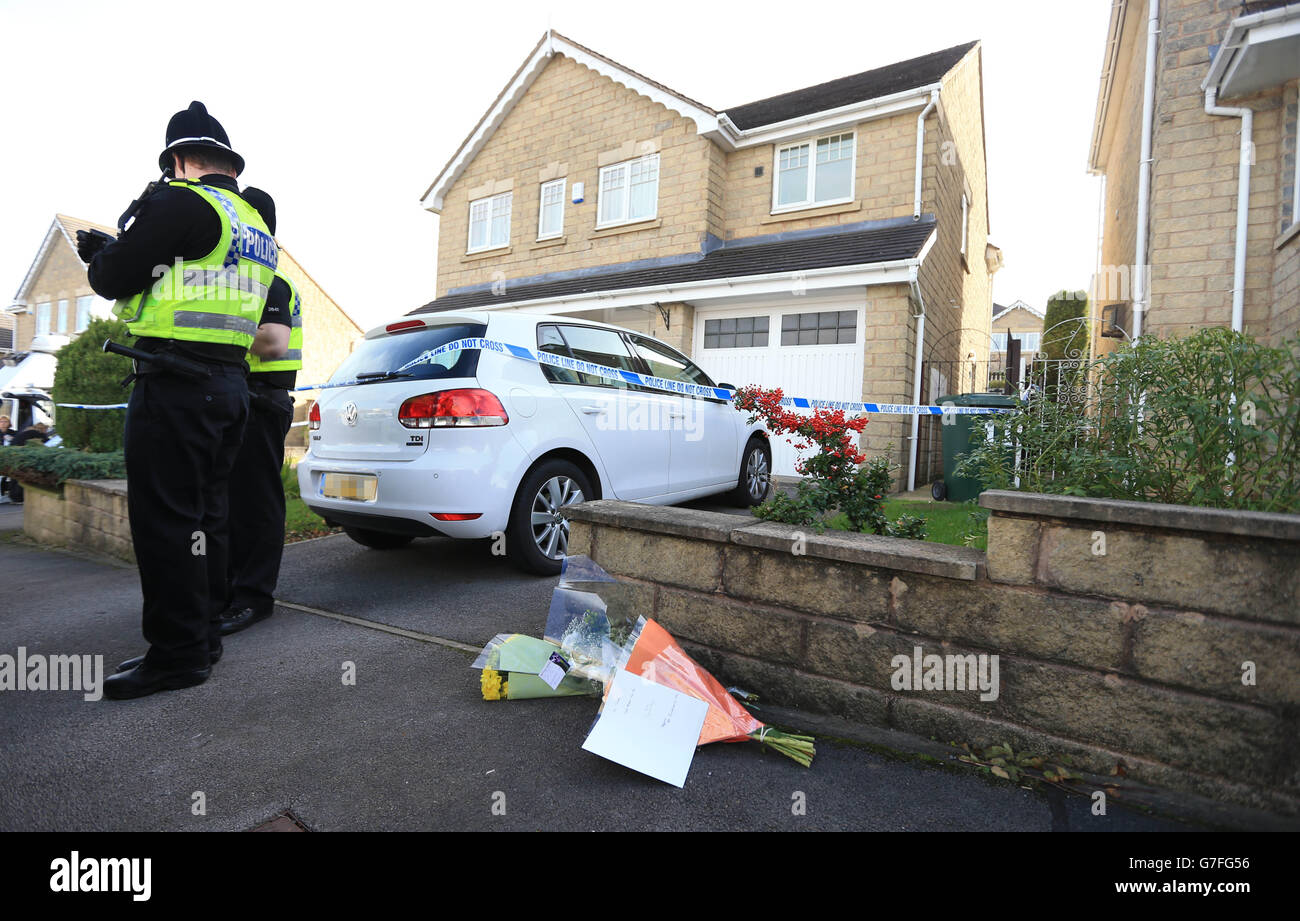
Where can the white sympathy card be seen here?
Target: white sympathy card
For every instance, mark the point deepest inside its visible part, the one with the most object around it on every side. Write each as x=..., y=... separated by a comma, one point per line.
x=648, y=727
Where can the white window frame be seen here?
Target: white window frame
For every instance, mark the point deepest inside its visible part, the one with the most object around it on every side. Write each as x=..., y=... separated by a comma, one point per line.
x=541, y=208
x=87, y=301
x=44, y=311
x=1295, y=190
x=61, y=318
x=811, y=189
x=627, y=192
x=488, y=203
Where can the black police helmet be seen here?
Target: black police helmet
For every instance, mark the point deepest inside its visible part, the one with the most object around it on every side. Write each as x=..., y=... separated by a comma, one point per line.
x=263, y=204
x=196, y=128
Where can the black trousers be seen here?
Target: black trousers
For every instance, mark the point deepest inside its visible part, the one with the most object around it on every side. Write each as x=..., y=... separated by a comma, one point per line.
x=257, y=501
x=182, y=437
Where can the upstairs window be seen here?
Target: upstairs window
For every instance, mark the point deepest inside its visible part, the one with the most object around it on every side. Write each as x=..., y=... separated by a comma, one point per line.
x=43, y=318
x=489, y=222
x=83, y=311
x=63, y=318
x=629, y=191
x=818, y=172
x=965, y=224
x=550, y=217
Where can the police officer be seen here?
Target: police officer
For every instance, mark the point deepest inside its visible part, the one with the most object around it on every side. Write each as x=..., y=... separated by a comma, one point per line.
x=191, y=276
x=257, y=502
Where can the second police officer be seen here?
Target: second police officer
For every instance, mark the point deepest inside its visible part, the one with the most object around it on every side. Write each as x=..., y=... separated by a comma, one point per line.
x=257, y=506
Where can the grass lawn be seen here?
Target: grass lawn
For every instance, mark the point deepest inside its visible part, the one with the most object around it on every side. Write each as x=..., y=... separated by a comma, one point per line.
x=300, y=522
x=945, y=522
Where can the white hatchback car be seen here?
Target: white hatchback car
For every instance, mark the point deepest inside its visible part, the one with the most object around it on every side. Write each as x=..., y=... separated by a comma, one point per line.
x=477, y=443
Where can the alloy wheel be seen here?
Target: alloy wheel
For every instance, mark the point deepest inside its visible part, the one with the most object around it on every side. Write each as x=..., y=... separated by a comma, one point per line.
x=757, y=474
x=550, y=529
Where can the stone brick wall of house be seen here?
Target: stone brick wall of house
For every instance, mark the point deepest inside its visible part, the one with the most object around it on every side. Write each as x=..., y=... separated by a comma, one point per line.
x=957, y=291
x=1194, y=183
x=1285, y=322
x=62, y=276
x=329, y=336
x=1125, y=657
x=1119, y=161
x=568, y=119
x=885, y=164
x=889, y=346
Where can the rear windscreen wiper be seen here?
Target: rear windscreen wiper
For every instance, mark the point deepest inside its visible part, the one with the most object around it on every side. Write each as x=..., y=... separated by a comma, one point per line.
x=372, y=376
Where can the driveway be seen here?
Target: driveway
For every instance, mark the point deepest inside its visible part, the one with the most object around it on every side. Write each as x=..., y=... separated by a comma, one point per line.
x=411, y=745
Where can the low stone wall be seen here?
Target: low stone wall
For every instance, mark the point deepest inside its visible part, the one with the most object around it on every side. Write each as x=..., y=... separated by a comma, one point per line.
x=89, y=515
x=1157, y=643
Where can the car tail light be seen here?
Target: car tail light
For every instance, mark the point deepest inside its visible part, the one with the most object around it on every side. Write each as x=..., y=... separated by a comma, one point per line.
x=456, y=516
x=446, y=408
x=313, y=416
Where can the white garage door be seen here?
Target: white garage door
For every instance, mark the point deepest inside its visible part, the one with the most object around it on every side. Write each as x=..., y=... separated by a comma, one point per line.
x=807, y=348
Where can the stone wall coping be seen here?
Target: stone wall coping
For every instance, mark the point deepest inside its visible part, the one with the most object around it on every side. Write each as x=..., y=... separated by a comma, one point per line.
x=1267, y=525
x=719, y=527
x=115, y=487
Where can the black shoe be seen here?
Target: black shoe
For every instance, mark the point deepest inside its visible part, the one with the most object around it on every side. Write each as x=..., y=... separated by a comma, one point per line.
x=242, y=620
x=214, y=656
x=145, y=679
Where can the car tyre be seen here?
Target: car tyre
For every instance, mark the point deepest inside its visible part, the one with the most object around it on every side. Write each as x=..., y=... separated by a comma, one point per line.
x=755, y=479
x=938, y=490
x=537, y=536
x=377, y=540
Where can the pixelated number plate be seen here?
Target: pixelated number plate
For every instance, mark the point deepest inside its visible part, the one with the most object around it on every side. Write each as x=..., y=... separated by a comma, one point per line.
x=359, y=486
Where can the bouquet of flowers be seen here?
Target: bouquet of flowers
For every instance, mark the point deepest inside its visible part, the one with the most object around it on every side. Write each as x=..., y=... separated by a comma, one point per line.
x=512, y=663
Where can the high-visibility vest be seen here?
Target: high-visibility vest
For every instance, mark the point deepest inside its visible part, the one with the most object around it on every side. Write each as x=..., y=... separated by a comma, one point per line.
x=218, y=298
x=292, y=359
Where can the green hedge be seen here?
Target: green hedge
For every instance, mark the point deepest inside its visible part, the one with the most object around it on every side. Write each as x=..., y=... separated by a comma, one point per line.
x=37, y=465
x=88, y=374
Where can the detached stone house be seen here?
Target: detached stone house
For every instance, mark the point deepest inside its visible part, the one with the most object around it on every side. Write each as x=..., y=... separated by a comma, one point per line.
x=55, y=298
x=1021, y=321
x=797, y=241
x=1195, y=136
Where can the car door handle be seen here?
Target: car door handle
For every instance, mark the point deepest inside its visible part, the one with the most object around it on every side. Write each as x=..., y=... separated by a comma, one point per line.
x=676, y=415
x=593, y=410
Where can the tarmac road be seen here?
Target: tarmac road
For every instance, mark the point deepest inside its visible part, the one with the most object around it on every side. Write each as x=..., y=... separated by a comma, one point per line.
x=410, y=746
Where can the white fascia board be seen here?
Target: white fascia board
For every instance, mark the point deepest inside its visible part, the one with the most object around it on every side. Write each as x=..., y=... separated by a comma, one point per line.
x=926, y=247
x=50, y=235
x=879, y=273
x=705, y=120
x=830, y=119
x=1270, y=25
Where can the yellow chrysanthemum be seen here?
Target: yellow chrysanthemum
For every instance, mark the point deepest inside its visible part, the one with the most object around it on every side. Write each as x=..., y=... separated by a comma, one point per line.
x=494, y=686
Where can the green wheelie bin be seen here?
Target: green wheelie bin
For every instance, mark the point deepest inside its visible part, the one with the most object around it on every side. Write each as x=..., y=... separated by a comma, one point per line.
x=956, y=432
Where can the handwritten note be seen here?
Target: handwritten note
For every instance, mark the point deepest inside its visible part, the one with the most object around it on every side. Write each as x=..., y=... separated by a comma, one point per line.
x=648, y=728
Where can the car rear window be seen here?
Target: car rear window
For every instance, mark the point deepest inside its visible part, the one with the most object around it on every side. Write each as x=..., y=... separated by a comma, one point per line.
x=388, y=353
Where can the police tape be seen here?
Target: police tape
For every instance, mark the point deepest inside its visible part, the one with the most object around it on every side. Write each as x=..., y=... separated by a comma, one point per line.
x=681, y=388
x=619, y=375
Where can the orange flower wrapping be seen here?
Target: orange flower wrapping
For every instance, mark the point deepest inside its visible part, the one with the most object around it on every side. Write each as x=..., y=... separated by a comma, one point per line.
x=657, y=657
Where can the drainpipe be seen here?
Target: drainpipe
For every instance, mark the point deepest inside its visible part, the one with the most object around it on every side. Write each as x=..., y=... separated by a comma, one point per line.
x=920, y=149
x=1243, y=199
x=1141, y=296
x=916, y=373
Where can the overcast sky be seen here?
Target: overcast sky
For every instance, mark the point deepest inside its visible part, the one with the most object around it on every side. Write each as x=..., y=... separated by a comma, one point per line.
x=346, y=111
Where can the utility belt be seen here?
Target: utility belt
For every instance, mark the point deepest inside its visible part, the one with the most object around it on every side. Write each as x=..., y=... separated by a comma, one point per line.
x=262, y=396
x=169, y=360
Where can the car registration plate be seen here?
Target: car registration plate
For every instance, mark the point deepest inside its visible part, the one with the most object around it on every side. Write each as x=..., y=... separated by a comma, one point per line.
x=362, y=487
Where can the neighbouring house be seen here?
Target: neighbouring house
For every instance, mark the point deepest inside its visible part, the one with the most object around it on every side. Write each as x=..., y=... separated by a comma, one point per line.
x=832, y=240
x=1206, y=231
x=55, y=299
x=1020, y=321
